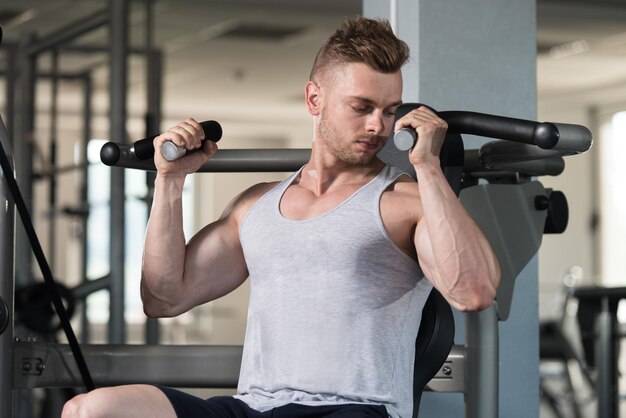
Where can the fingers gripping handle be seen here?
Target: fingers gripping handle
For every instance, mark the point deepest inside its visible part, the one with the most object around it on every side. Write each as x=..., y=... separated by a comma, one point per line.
x=170, y=151
x=404, y=139
x=143, y=149
x=571, y=139
x=545, y=135
x=212, y=132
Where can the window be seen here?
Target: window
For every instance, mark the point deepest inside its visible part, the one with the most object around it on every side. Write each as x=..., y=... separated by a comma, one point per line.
x=612, y=147
x=99, y=227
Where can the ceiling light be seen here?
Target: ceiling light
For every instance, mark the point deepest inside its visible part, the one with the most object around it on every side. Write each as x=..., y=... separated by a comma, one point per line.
x=569, y=49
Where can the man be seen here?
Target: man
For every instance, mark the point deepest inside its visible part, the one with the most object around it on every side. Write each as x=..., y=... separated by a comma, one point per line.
x=341, y=256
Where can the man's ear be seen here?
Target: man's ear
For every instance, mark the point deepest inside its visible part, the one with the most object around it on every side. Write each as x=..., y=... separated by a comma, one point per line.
x=312, y=98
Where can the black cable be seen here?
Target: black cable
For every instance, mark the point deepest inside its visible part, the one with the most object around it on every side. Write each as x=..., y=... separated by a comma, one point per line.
x=45, y=269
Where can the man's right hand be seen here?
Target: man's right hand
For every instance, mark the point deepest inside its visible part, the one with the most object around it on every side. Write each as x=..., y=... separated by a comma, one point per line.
x=188, y=134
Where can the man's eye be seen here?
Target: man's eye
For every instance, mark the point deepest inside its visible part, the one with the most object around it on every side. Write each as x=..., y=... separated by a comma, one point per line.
x=360, y=109
x=390, y=113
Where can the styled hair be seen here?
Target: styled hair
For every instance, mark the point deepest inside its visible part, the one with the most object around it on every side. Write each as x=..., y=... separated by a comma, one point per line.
x=362, y=40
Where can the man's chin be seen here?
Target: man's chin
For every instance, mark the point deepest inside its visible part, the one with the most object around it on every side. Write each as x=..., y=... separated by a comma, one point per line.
x=360, y=160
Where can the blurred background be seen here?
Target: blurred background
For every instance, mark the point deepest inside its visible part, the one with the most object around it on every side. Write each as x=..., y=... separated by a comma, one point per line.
x=244, y=63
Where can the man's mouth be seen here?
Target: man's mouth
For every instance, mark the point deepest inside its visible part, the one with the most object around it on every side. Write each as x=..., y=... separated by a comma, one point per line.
x=369, y=143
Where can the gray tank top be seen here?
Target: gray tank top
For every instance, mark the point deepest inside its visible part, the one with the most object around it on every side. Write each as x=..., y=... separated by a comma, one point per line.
x=335, y=306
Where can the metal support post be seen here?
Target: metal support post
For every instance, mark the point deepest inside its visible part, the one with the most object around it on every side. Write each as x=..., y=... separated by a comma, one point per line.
x=605, y=356
x=154, y=87
x=52, y=191
x=481, y=396
x=11, y=82
x=84, y=195
x=7, y=222
x=153, y=126
x=118, y=34
x=24, y=136
x=23, y=152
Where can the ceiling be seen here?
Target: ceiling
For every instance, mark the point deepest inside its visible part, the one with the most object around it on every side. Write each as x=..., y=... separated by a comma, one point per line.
x=581, y=45
x=224, y=57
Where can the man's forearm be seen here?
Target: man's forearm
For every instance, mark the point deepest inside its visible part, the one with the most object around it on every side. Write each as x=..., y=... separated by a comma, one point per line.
x=164, y=248
x=464, y=261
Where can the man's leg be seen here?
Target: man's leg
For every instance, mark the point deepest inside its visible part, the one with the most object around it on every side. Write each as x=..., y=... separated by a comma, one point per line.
x=131, y=401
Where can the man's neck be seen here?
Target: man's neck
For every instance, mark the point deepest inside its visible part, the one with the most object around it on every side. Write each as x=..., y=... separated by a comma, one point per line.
x=325, y=173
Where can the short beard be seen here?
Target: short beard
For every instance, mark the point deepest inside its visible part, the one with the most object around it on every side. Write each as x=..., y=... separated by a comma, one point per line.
x=332, y=141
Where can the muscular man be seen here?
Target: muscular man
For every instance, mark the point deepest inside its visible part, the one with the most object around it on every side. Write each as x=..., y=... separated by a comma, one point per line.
x=341, y=256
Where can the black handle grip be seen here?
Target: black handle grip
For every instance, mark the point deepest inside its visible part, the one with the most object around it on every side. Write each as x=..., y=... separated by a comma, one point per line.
x=111, y=152
x=546, y=135
x=144, y=149
x=543, y=134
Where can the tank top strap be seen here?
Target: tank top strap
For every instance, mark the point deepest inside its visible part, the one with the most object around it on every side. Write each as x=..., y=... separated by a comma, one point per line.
x=390, y=175
x=369, y=195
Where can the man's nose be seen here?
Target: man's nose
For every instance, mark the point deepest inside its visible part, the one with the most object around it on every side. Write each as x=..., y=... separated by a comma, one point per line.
x=375, y=123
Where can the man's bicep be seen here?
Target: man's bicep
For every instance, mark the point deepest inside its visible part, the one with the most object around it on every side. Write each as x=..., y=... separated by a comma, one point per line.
x=214, y=263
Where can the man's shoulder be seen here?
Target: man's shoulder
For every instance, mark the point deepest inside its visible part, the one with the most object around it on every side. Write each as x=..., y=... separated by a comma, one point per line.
x=401, y=199
x=404, y=185
x=258, y=190
x=243, y=202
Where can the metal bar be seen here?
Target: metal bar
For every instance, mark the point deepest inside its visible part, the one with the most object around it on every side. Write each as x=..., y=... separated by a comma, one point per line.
x=91, y=286
x=190, y=366
x=52, y=184
x=476, y=163
x=481, y=393
x=118, y=35
x=61, y=76
x=606, y=362
x=154, y=87
x=226, y=160
x=69, y=33
x=276, y=160
x=84, y=49
x=11, y=82
x=23, y=155
x=59, y=169
x=96, y=49
x=261, y=160
x=594, y=196
x=7, y=222
x=51, y=365
x=24, y=135
x=84, y=195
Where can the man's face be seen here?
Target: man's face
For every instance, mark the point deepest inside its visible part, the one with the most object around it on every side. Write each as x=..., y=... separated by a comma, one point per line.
x=358, y=110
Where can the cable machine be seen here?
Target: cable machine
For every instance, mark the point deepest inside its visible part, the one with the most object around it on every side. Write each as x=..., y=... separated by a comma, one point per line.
x=511, y=192
x=22, y=75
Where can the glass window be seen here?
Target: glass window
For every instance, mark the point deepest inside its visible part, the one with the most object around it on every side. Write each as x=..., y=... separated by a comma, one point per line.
x=612, y=149
x=98, y=233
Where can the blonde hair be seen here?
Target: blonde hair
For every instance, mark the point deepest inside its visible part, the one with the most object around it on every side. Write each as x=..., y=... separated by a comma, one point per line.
x=363, y=40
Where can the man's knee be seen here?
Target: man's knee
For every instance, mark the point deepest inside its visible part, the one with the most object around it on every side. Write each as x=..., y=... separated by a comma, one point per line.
x=78, y=407
x=131, y=401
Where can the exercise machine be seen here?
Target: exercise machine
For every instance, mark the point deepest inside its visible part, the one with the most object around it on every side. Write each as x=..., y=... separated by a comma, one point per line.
x=493, y=181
